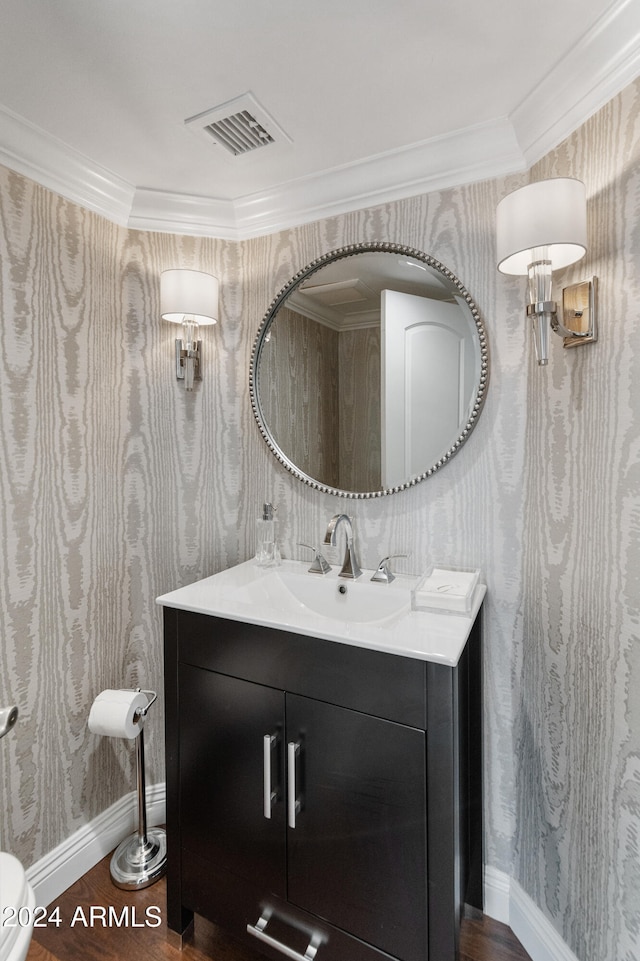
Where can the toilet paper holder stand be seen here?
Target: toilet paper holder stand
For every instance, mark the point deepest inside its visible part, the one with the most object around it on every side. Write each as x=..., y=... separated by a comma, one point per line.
x=141, y=859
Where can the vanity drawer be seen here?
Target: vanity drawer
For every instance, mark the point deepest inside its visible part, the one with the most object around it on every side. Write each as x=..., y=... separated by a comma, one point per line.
x=238, y=905
x=384, y=685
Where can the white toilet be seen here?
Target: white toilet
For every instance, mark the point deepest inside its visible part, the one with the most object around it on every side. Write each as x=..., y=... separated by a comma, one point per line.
x=17, y=904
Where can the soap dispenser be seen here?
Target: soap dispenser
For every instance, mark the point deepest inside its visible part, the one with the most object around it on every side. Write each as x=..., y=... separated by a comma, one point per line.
x=267, y=553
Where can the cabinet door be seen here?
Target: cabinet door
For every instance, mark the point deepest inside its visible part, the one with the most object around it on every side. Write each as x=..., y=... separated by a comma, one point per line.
x=357, y=853
x=223, y=757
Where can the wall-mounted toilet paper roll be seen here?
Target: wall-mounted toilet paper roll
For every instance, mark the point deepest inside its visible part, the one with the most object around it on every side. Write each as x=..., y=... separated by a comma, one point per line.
x=113, y=713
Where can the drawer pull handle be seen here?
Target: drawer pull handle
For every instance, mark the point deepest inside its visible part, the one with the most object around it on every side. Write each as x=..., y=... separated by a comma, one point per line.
x=293, y=804
x=258, y=930
x=269, y=796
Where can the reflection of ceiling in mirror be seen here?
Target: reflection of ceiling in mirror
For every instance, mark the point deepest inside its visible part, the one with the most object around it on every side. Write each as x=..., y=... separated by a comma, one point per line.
x=339, y=294
x=345, y=295
x=341, y=304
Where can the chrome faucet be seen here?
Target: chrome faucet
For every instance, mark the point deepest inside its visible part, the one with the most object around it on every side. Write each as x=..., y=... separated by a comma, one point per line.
x=350, y=566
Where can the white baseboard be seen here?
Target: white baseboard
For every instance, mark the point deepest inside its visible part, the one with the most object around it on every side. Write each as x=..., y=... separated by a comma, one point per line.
x=506, y=901
x=63, y=866
x=534, y=930
x=496, y=894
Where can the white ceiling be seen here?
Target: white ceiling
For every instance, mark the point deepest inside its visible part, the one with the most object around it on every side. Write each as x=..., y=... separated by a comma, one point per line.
x=379, y=100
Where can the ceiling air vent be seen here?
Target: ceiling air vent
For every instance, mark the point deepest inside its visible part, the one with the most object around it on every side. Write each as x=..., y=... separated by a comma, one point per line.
x=239, y=133
x=240, y=126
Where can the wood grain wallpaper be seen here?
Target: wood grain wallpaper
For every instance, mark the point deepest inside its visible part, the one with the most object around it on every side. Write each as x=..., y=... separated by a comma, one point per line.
x=298, y=389
x=116, y=486
x=106, y=471
x=360, y=426
x=319, y=391
x=577, y=690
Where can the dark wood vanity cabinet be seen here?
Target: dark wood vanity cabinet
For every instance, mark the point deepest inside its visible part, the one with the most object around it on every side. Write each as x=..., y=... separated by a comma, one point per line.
x=322, y=800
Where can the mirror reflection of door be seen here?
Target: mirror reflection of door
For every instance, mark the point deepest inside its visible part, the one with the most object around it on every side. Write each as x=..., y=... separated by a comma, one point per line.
x=428, y=363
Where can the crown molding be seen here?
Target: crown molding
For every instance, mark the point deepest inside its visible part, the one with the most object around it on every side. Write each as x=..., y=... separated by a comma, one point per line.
x=174, y=213
x=605, y=61
x=600, y=66
x=476, y=153
x=43, y=158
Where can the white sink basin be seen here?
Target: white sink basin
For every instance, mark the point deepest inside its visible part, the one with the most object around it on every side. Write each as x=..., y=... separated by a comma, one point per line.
x=361, y=613
x=328, y=596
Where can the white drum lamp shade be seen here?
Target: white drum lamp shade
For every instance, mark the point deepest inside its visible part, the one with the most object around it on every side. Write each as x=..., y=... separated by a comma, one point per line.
x=550, y=214
x=189, y=293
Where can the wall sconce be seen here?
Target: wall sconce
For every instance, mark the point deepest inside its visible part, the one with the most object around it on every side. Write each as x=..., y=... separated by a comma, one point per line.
x=190, y=298
x=540, y=228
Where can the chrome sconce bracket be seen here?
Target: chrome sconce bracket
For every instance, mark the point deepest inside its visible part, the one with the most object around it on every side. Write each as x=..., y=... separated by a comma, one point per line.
x=579, y=314
x=185, y=354
x=577, y=324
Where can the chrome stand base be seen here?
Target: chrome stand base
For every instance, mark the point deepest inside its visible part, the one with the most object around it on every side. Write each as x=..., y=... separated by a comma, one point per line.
x=141, y=859
x=138, y=863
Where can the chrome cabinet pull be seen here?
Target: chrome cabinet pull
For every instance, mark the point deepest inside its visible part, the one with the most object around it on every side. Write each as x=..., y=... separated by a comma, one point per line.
x=269, y=796
x=293, y=804
x=258, y=930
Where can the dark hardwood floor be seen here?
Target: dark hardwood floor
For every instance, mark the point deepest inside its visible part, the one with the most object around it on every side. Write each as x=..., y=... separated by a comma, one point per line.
x=84, y=935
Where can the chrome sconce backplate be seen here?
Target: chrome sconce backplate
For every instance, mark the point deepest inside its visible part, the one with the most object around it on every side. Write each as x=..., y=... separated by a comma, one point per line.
x=184, y=354
x=579, y=313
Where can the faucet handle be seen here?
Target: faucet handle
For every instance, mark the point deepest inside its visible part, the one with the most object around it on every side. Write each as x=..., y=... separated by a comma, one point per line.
x=319, y=565
x=383, y=574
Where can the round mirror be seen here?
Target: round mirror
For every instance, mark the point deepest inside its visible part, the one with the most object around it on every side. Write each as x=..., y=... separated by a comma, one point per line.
x=369, y=370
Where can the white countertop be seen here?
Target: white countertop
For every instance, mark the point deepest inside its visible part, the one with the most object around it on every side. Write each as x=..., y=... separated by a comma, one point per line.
x=255, y=595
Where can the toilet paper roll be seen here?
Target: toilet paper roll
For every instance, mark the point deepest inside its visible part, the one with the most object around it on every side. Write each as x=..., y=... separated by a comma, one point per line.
x=113, y=713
